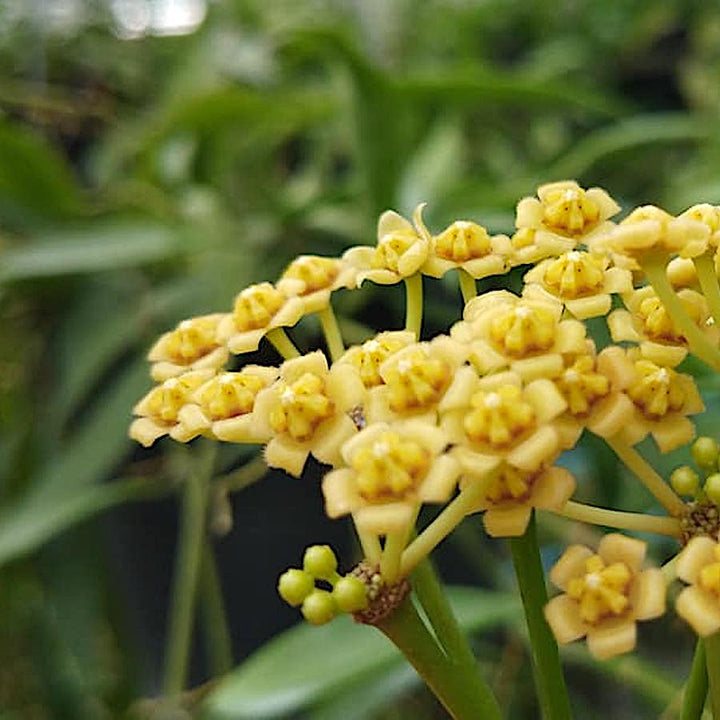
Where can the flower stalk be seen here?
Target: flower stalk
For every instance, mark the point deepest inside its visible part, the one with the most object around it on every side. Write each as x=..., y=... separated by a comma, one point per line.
x=696, y=687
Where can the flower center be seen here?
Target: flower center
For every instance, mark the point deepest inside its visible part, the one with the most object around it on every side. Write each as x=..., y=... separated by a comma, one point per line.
x=603, y=590
x=657, y=390
x=498, y=418
x=229, y=395
x=370, y=355
x=568, y=210
x=256, y=306
x=463, y=241
x=191, y=340
x=510, y=484
x=390, y=467
x=392, y=247
x=581, y=386
x=317, y=273
x=657, y=323
x=575, y=274
x=523, y=330
x=303, y=406
x=417, y=381
x=166, y=400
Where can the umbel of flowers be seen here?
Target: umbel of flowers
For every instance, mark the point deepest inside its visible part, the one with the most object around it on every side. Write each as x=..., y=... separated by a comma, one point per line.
x=476, y=421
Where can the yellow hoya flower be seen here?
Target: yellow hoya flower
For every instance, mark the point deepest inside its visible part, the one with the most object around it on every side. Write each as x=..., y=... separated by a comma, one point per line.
x=159, y=410
x=526, y=335
x=312, y=279
x=583, y=282
x=511, y=494
x=400, y=252
x=699, y=604
x=368, y=357
x=500, y=418
x=391, y=470
x=650, y=229
x=662, y=398
x=223, y=406
x=192, y=345
x=708, y=215
x=414, y=380
x=605, y=594
x=307, y=411
x=562, y=215
x=468, y=246
x=258, y=309
x=646, y=321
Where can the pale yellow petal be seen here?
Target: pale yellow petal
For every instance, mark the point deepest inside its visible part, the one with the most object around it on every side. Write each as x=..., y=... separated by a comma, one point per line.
x=509, y=521
x=648, y=594
x=570, y=565
x=440, y=481
x=610, y=415
x=385, y=519
x=538, y=449
x=701, y=609
x=289, y=456
x=563, y=616
x=700, y=551
x=589, y=307
x=340, y=493
x=615, y=547
x=552, y=489
x=612, y=638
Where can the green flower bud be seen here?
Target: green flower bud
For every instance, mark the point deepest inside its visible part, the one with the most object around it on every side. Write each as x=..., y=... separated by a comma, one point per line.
x=320, y=562
x=295, y=585
x=685, y=481
x=705, y=452
x=350, y=594
x=712, y=488
x=319, y=607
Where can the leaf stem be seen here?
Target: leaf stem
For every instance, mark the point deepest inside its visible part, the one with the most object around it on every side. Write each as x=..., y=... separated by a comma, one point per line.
x=468, y=286
x=640, y=522
x=187, y=569
x=637, y=464
x=549, y=679
x=331, y=330
x=712, y=662
x=414, y=304
x=282, y=343
x=696, y=687
x=705, y=267
x=217, y=629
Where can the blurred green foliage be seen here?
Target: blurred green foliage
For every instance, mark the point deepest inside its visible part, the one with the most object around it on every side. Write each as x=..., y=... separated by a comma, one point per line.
x=145, y=180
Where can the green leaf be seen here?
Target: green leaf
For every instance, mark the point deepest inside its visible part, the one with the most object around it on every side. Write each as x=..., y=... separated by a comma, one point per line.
x=307, y=664
x=90, y=248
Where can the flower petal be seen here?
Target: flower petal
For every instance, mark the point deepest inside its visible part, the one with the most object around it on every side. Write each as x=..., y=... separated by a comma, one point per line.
x=612, y=638
x=563, y=616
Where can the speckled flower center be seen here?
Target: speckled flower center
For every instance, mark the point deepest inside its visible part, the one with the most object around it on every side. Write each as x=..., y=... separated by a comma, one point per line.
x=256, y=306
x=302, y=406
x=575, y=274
x=463, y=241
x=191, y=340
x=499, y=417
x=389, y=467
x=581, y=386
x=656, y=322
x=318, y=273
x=229, y=395
x=709, y=578
x=657, y=390
x=522, y=331
x=602, y=591
x=165, y=401
x=510, y=484
x=417, y=381
x=392, y=247
x=569, y=211
x=370, y=355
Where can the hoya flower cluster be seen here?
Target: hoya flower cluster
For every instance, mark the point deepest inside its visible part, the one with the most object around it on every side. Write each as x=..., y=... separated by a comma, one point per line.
x=475, y=420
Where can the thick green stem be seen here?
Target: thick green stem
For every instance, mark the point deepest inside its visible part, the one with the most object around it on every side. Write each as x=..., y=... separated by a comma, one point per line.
x=696, y=687
x=187, y=570
x=705, y=267
x=712, y=662
x=215, y=622
x=699, y=344
x=549, y=679
x=331, y=330
x=468, y=285
x=283, y=344
x=457, y=692
x=414, y=303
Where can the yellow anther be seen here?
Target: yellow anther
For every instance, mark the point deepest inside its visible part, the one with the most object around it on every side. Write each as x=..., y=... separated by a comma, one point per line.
x=463, y=241
x=417, y=381
x=165, y=401
x=510, y=484
x=392, y=247
x=191, y=340
x=498, y=418
x=229, y=395
x=603, y=591
x=581, y=386
x=567, y=209
x=575, y=274
x=303, y=406
x=256, y=306
x=657, y=390
x=370, y=355
x=317, y=273
x=523, y=330
x=390, y=467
